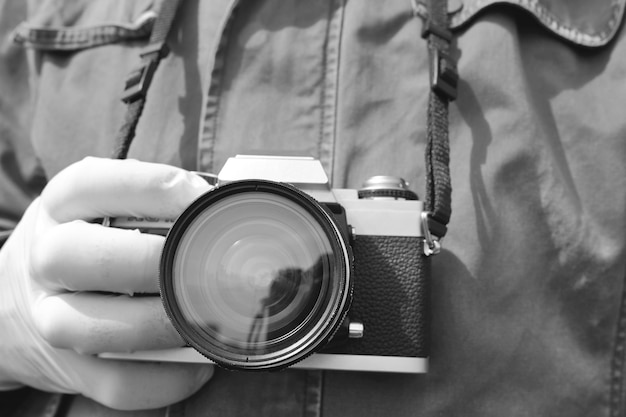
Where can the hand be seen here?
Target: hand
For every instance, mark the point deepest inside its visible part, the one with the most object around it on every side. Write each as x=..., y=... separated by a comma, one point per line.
x=67, y=285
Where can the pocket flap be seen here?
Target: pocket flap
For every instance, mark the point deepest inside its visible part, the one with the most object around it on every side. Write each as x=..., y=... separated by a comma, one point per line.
x=79, y=24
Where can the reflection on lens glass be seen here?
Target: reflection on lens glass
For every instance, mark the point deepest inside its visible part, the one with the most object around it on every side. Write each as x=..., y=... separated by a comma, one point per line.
x=254, y=272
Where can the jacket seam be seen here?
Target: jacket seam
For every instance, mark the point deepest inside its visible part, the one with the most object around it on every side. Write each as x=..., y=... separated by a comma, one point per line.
x=313, y=396
x=206, y=143
x=617, y=400
x=329, y=92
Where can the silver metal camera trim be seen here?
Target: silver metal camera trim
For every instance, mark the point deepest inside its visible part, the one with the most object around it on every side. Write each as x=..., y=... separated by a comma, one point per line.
x=324, y=361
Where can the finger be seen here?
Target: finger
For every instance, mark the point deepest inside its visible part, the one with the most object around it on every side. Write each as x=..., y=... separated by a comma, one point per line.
x=128, y=385
x=96, y=187
x=80, y=256
x=92, y=323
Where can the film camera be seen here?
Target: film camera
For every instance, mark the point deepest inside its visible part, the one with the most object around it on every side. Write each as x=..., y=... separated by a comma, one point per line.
x=273, y=268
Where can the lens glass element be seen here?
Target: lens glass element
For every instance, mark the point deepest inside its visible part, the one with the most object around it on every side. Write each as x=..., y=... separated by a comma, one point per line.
x=256, y=277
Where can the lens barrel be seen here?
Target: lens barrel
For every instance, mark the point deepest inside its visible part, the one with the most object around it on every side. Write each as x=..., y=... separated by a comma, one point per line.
x=256, y=275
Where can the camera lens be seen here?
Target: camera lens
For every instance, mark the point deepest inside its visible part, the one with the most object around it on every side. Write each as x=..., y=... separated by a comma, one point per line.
x=255, y=275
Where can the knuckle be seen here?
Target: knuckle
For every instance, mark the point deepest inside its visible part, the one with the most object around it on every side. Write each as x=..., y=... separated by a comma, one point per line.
x=49, y=327
x=50, y=254
x=57, y=183
x=44, y=257
x=70, y=183
x=62, y=331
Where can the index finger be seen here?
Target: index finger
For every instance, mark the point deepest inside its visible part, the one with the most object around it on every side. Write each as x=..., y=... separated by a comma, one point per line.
x=97, y=187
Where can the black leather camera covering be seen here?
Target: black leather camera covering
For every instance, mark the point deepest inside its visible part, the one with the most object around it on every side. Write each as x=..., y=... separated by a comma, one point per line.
x=391, y=297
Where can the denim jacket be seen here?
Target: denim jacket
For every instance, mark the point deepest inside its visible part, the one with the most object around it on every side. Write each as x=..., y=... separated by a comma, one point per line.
x=528, y=310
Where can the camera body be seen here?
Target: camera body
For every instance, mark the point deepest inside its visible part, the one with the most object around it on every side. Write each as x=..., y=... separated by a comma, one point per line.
x=379, y=319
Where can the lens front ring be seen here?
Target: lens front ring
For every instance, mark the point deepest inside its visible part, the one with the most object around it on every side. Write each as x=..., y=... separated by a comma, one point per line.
x=255, y=275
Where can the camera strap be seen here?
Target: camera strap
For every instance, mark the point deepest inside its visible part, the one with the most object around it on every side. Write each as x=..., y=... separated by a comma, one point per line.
x=443, y=89
x=139, y=80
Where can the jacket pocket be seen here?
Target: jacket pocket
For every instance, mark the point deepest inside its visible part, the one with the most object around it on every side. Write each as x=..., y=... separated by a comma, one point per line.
x=81, y=53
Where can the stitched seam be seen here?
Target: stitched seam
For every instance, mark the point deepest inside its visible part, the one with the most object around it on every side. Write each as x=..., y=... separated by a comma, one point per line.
x=206, y=144
x=549, y=20
x=323, y=92
x=313, y=394
x=329, y=93
x=74, y=39
x=616, y=394
x=339, y=35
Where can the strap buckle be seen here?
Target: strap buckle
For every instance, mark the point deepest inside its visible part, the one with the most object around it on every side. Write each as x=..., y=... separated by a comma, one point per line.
x=139, y=80
x=444, y=77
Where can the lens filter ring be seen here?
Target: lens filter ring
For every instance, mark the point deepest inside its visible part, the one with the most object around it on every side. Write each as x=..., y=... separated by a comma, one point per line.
x=255, y=275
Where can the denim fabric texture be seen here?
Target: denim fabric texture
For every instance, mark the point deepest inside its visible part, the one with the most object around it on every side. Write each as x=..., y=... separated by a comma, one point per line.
x=529, y=317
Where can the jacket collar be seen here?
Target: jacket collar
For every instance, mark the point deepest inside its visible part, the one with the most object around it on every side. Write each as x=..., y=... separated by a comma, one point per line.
x=582, y=22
